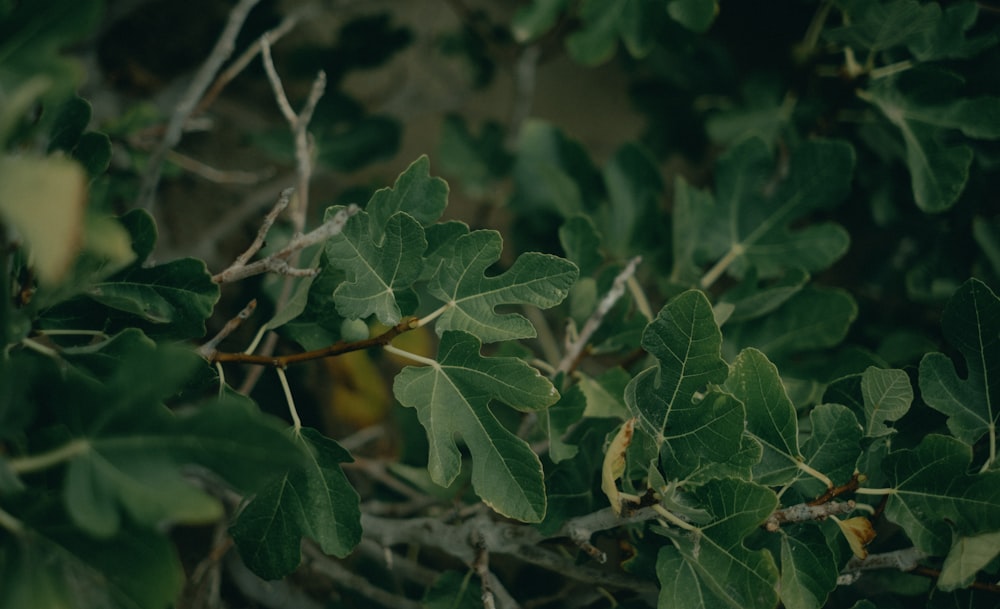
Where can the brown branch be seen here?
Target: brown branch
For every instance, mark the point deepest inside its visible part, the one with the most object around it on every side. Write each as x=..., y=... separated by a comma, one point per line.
x=209, y=347
x=850, y=486
x=337, y=348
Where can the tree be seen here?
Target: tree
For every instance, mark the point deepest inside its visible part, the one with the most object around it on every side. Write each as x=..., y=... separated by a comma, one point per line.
x=749, y=359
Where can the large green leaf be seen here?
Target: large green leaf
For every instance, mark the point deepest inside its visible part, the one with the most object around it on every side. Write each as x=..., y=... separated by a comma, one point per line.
x=634, y=187
x=933, y=497
x=534, y=279
x=967, y=557
x=887, y=396
x=134, y=464
x=770, y=416
x=314, y=501
x=415, y=192
x=750, y=227
x=377, y=269
x=453, y=397
x=939, y=168
x=686, y=342
x=948, y=38
x=876, y=26
x=833, y=446
x=971, y=322
x=809, y=568
x=710, y=567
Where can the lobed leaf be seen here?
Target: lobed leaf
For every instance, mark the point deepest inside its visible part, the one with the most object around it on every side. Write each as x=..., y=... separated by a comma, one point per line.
x=711, y=567
x=971, y=322
x=933, y=497
x=452, y=397
x=877, y=26
x=938, y=169
x=378, y=269
x=314, y=501
x=686, y=343
x=809, y=568
x=471, y=297
x=415, y=193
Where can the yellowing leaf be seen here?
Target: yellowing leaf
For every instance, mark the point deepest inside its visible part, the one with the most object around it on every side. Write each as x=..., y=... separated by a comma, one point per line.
x=44, y=199
x=859, y=533
x=614, y=464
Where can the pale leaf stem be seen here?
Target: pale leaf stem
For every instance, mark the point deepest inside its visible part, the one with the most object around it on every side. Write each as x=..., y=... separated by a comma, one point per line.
x=411, y=356
x=674, y=519
x=10, y=523
x=423, y=321
x=292, y=411
x=713, y=274
x=34, y=463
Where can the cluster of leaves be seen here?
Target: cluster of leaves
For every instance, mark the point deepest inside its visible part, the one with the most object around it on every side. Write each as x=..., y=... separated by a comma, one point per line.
x=733, y=407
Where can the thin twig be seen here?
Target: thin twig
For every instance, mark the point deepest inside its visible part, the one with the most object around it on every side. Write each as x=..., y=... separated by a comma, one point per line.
x=199, y=83
x=212, y=344
x=804, y=512
x=338, y=348
x=241, y=62
x=349, y=580
x=278, y=262
x=481, y=565
x=575, y=347
x=219, y=176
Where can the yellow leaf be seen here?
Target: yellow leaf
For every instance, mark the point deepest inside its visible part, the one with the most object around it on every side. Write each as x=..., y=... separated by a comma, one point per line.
x=43, y=199
x=859, y=533
x=614, y=464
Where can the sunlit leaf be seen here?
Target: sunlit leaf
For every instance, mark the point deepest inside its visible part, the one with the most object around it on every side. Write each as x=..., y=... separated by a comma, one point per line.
x=540, y=280
x=887, y=397
x=377, y=269
x=452, y=398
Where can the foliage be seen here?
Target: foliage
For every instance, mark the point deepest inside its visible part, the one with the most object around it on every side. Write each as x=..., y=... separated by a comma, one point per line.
x=779, y=383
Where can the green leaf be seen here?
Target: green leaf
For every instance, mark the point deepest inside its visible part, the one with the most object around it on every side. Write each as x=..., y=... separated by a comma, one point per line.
x=70, y=122
x=597, y=39
x=559, y=418
x=750, y=228
x=809, y=568
x=878, y=26
x=581, y=242
x=415, y=193
x=532, y=20
x=887, y=396
x=378, y=269
x=453, y=397
x=770, y=416
x=453, y=590
x=711, y=567
x=938, y=169
x=967, y=557
x=813, y=318
x=695, y=15
x=948, y=38
x=834, y=445
x=314, y=501
x=477, y=161
x=933, y=497
x=752, y=299
x=690, y=205
x=634, y=188
x=535, y=279
x=134, y=464
x=686, y=343
x=180, y=292
x=971, y=322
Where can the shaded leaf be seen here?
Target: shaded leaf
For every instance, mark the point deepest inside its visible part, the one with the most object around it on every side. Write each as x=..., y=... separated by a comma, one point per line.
x=770, y=416
x=453, y=590
x=834, y=445
x=534, y=19
x=695, y=15
x=967, y=556
x=932, y=496
x=536, y=279
x=711, y=567
x=453, y=396
x=971, y=322
x=415, y=193
x=314, y=501
x=938, y=168
x=949, y=36
x=686, y=342
x=887, y=396
x=809, y=568
x=581, y=242
x=877, y=26
x=750, y=227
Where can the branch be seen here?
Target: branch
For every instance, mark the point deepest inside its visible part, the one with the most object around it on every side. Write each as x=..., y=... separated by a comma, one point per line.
x=278, y=261
x=906, y=559
x=575, y=347
x=185, y=107
x=338, y=348
x=209, y=347
x=805, y=512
